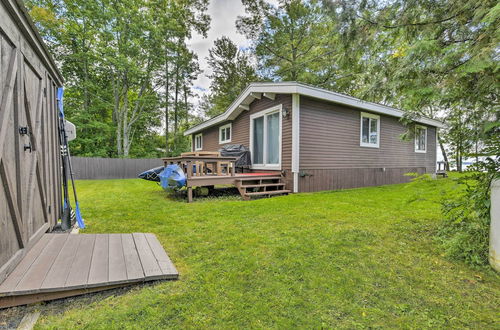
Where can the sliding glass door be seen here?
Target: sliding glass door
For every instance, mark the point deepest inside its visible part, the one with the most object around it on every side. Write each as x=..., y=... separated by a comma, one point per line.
x=266, y=139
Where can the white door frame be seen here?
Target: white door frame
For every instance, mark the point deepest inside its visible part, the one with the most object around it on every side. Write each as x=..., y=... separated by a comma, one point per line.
x=277, y=108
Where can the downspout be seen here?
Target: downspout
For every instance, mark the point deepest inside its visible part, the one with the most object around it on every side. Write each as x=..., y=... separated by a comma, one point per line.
x=295, y=140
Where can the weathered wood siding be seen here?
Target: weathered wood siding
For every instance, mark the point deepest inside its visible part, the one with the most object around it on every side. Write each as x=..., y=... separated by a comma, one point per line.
x=30, y=187
x=241, y=131
x=85, y=168
x=331, y=157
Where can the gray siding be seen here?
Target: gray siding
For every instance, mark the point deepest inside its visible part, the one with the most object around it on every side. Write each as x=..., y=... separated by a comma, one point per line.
x=330, y=152
x=241, y=131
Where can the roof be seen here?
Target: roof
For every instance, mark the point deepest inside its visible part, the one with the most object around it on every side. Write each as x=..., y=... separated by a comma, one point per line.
x=255, y=90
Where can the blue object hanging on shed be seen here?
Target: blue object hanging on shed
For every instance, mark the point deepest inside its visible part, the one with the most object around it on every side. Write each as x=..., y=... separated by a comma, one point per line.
x=172, y=177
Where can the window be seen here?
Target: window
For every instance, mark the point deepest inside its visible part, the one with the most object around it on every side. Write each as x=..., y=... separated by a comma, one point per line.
x=265, y=138
x=370, y=130
x=198, y=142
x=225, y=134
x=420, y=139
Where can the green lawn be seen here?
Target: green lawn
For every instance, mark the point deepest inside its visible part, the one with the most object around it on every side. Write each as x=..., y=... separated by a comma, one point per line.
x=349, y=259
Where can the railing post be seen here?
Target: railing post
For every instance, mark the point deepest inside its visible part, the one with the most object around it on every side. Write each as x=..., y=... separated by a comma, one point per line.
x=189, y=170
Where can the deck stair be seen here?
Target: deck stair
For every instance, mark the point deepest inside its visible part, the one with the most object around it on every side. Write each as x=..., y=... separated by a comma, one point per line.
x=252, y=187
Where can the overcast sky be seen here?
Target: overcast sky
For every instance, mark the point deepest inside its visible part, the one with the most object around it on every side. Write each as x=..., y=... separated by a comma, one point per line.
x=223, y=14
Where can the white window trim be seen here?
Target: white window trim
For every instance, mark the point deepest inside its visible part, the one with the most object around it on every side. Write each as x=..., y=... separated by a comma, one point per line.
x=201, y=142
x=277, y=108
x=230, y=125
x=415, y=140
x=364, y=144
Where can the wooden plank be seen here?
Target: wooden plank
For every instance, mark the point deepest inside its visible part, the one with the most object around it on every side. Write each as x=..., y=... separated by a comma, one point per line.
x=28, y=321
x=99, y=267
x=5, y=176
x=11, y=264
x=7, y=96
x=58, y=273
x=132, y=261
x=149, y=264
x=11, y=301
x=117, y=267
x=166, y=265
x=36, y=274
x=78, y=275
x=17, y=274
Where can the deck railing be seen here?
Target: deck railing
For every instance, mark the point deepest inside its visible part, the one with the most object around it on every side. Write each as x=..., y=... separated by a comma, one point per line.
x=204, y=165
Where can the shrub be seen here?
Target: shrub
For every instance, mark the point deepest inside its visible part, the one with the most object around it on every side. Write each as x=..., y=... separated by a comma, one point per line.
x=464, y=230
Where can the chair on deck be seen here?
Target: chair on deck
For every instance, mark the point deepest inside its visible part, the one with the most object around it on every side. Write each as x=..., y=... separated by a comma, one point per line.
x=441, y=169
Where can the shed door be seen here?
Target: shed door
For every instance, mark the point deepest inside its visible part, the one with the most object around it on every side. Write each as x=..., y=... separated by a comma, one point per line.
x=24, y=208
x=33, y=196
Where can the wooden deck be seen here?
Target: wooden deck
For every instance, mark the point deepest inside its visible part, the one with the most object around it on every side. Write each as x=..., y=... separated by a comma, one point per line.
x=210, y=180
x=63, y=265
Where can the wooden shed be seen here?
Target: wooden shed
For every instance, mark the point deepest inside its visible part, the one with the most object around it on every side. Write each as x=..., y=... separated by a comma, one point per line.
x=36, y=265
x=30, y=193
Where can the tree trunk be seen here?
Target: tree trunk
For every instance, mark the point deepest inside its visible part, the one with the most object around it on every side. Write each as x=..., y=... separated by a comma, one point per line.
x=117, y=117
x=176, y=103
x=86, y=102
x=186, y=104
x=167, y=87
x=443, y=152
x=124, y=124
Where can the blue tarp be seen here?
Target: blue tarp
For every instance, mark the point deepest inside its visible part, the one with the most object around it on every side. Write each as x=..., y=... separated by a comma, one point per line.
x=172, y=177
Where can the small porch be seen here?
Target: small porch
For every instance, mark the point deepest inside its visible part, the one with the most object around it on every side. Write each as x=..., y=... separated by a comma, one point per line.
x=63, y=265
x=208, y=169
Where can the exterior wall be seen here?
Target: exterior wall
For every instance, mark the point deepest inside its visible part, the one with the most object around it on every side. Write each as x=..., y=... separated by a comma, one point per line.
x=30, y=186
x=241, y=131
x=331, y=157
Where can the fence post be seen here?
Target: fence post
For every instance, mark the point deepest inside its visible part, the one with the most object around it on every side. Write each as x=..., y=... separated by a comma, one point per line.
x=494, y=255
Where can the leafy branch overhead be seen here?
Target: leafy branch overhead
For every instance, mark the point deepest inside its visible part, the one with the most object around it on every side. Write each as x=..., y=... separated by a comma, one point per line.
x=129, y=70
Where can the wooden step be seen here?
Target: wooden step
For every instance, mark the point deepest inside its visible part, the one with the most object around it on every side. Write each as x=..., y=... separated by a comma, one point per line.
x=265, y=193
x=277, y=184
x=257, y=178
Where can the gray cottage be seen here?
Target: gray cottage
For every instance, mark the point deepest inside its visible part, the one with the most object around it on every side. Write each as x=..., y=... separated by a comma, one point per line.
x=318, y=139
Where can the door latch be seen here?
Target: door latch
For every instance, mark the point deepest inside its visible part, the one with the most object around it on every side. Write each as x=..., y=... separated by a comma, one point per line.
x=24, y=130
x=27, y=147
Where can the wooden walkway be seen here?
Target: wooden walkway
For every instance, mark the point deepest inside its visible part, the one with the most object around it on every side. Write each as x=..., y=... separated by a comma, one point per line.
x=63, y=265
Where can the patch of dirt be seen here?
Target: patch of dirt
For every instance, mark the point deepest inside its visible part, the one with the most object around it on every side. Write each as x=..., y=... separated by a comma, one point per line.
x=11, y=317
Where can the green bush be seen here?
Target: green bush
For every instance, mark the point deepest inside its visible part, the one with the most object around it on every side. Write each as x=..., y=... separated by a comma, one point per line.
x=464, y=232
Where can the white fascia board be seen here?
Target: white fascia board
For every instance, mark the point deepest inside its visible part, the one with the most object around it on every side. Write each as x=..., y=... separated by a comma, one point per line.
x=234, y=110
x=323, y=94
x=293, y=87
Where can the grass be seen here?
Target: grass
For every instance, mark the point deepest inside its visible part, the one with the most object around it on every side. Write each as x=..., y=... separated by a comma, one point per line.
x=349, y=259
